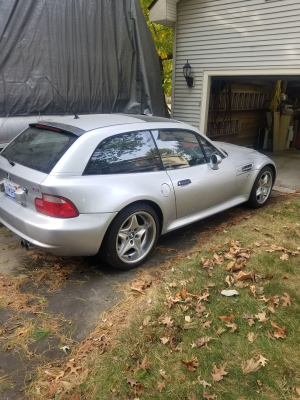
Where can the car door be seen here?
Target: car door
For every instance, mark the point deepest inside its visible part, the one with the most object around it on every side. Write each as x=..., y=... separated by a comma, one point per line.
x=197, y=186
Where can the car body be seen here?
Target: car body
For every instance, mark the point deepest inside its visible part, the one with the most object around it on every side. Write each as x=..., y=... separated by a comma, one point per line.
x=91, y=183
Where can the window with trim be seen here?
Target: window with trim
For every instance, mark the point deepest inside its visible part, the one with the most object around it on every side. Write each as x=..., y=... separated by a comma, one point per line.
x=123, y=154
x=178, y=148
x=209, y=149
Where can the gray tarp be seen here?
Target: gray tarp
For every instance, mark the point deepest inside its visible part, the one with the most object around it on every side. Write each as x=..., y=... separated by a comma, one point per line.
x=98, y=53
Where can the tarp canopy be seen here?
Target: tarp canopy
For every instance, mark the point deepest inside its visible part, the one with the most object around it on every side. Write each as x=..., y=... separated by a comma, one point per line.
x=99, y=54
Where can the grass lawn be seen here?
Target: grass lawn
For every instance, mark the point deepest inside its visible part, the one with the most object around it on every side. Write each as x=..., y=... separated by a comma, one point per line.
x=175, y=336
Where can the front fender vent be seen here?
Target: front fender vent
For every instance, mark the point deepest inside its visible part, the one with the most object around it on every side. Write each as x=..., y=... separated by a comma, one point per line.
x=244, y=168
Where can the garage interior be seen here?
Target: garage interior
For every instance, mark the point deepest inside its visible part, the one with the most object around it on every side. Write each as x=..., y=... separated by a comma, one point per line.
x=261, y=112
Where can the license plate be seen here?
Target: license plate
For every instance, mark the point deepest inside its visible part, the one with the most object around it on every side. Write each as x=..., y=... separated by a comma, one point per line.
x=10, y=189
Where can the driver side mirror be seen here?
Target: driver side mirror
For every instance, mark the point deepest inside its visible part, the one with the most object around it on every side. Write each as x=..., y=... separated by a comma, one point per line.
x=215, y=160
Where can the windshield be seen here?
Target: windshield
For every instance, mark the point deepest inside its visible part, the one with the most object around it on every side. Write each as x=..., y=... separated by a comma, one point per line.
x=39, y=149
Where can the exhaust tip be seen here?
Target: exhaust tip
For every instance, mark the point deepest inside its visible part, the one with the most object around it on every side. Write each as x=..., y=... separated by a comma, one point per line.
x=23, y=244
x=27, y=246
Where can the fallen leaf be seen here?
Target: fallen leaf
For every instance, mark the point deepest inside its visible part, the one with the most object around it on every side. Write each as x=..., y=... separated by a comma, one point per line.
x=261, y=317
x=227, y=280
x=249, y=318
x=253, y=290
x=208, y=396
x=250, y=366
x=262, y=360
x=73, y=369
x=251, y=337
x=284, y=257
x=206, y=324
x=145, y=364
x=137, y=289
x=269, y=277
x=183, y=293
x=230, y=265
x=199, y=309
x=164, y=339
x=187, y=318
x=287, y=300
x=241, y=276
x=146, y=320
x=280, y=333
x=274, y=300
x=191, y=364
x=203, y=383
x=202, y=341
x=168, y=322
x=132, y=381
x=233, y=327
x=219, y=373
x=160, y=386
x=226, y=318
x=163, y=374
x=284, y=277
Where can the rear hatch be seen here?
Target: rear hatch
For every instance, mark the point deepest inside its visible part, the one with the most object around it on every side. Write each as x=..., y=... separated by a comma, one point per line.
x=28, y=159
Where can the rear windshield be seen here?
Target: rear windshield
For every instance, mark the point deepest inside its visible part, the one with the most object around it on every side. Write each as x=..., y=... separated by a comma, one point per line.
x=39, y=149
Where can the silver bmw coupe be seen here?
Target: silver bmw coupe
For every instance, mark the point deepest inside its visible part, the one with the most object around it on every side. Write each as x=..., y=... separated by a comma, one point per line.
x=111, y=184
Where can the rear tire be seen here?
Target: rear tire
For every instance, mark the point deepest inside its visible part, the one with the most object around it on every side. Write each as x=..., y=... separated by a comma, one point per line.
x=262, y=188
x=131, y=237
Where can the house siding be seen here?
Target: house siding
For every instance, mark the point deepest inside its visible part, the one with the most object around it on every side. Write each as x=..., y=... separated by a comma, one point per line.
x=231, y=35
x=171, y=11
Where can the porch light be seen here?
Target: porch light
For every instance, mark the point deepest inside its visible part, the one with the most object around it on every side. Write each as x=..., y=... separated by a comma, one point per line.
x=186, y=73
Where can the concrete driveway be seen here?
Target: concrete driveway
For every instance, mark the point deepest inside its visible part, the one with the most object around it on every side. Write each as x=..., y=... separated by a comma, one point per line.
x=288, y=168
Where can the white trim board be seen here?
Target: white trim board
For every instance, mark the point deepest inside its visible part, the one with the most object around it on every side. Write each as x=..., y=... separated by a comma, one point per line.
x=207, y=81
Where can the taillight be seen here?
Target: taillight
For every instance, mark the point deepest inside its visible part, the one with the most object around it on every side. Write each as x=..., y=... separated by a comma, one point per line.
x=56, y=206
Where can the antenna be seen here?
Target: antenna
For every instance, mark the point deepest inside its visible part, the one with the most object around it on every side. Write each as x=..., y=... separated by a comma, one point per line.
x=76, y=116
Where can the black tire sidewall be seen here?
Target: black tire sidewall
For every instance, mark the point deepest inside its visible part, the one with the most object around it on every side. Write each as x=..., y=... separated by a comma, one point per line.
x=252, y=199
x=108, y=250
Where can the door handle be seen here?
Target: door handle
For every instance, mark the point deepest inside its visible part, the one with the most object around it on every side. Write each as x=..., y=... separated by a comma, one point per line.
x=185, y=182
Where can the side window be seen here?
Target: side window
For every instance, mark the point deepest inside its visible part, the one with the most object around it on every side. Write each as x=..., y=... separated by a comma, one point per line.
x=123, y=154
x=178, y=148
x=209, y=149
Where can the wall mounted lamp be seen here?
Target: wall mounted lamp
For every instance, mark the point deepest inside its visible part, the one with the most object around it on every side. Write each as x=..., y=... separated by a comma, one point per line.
x=187, y=74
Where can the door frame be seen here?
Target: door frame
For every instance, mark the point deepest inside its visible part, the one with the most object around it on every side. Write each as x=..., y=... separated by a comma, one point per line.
x=207, y=75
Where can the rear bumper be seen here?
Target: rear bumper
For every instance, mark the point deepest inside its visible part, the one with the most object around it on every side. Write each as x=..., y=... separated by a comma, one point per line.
x=80, y=236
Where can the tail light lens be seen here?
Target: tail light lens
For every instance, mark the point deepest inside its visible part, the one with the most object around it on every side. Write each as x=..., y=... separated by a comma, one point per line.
x=56, y=206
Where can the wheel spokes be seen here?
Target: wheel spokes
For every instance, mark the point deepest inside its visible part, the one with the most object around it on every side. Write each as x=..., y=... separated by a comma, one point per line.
x=263, y=187
x=136, y=236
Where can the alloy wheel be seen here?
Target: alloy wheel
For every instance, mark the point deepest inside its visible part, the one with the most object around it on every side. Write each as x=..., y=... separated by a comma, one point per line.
x=136, y=237
x=264, y=187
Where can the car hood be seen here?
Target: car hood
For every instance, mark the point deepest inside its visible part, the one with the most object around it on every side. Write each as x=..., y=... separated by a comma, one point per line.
x=240, y=156
x=233, y=150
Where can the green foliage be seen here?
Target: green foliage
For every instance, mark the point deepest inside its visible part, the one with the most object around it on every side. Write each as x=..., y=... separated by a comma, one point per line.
x=40, y=334
x=163, y=40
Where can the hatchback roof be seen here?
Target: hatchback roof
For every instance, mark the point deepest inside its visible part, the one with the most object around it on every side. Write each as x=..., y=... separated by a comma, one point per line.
x=93, y=121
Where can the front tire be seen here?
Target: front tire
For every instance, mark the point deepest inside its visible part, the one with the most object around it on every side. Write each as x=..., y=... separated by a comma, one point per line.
x=262, y=188
x=131, y=237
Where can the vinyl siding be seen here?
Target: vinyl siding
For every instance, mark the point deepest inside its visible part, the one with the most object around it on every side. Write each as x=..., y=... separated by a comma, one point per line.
x=231, y=35
x=171, y=11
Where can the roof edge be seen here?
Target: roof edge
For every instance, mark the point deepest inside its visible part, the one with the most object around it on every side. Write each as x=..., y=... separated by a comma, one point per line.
x=152, y=4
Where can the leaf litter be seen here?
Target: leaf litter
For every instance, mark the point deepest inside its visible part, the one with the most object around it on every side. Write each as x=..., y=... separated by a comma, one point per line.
x=183, y=295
